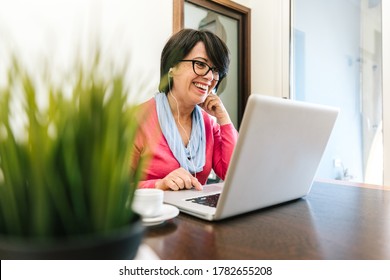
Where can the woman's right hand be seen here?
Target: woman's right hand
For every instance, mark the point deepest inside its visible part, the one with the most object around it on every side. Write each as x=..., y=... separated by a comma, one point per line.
x=178, y=179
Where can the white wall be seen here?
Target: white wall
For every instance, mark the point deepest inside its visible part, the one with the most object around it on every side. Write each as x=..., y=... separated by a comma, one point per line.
x=386, y=88
x=331, y=76
x=58, y=30
x=270, y=46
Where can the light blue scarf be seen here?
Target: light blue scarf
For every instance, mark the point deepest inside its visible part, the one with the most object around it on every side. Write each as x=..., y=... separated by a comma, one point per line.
x=192, y=157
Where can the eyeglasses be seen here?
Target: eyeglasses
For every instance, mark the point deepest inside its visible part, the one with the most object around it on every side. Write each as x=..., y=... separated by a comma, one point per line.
x=202, y=68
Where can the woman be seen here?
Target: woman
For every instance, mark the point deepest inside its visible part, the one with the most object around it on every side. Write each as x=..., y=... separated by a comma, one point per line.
x=186, y=130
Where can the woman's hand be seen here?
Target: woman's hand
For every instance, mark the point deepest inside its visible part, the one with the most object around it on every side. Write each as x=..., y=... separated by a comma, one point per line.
x=179, y=179
x=214, y=106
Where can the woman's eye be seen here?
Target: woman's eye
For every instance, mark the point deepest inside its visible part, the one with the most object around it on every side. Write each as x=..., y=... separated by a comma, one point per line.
x=200, y=64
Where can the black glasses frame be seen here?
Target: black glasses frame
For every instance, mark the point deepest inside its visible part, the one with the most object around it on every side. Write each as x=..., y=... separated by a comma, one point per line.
x=213, y=69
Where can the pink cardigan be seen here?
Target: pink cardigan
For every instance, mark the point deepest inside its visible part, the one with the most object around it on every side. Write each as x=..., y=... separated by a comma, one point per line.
x=151, y=144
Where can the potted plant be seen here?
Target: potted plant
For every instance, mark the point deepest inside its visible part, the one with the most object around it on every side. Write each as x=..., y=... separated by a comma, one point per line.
x=65, y=181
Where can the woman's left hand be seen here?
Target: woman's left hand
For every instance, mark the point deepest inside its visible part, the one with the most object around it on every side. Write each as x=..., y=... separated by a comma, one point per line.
x=213, y=105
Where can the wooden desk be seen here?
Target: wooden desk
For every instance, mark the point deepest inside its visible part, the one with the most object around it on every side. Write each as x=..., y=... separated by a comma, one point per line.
x=333, y=222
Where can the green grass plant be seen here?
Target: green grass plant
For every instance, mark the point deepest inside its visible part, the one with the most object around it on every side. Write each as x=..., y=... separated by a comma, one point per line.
x=65, y=166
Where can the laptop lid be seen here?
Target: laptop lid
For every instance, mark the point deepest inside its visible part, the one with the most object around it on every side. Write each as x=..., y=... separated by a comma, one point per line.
x=279, y=148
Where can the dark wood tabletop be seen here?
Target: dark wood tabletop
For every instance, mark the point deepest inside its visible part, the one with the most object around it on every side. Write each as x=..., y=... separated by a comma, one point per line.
x=335, y=221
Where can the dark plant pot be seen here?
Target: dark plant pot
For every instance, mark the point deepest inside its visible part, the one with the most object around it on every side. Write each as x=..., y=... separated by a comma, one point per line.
x=119, y=244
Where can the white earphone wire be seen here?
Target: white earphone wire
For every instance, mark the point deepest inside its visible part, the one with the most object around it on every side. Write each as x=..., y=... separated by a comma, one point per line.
x=178, y=121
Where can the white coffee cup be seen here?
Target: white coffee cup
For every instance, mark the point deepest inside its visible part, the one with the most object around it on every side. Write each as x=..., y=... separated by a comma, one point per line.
x=148, y=202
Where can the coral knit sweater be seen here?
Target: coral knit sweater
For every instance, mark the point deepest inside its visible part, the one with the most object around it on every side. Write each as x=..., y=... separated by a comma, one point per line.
x=151, y=144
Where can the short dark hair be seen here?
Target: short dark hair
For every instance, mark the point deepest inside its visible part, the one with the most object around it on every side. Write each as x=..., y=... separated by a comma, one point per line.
x=182, y=42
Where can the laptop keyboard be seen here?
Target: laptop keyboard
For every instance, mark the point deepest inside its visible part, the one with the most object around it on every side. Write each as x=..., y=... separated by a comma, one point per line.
x=208, y=200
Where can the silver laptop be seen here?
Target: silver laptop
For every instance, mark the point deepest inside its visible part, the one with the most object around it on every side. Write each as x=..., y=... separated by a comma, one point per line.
x=279, y=148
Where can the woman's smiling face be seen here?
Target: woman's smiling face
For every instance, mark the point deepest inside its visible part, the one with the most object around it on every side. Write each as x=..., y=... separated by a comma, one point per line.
x=188, y=86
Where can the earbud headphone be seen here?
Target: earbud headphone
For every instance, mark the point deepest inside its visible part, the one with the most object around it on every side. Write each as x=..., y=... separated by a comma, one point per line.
x=170, y=72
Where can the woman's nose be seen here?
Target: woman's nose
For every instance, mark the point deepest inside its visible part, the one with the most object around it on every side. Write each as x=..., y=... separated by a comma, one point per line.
x=209, y=76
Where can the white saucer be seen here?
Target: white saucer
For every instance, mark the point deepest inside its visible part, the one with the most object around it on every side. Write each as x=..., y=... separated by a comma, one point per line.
x=168, y=212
